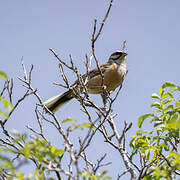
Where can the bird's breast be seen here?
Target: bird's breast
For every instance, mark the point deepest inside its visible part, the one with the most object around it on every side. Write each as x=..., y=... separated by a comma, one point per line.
x=113, y=77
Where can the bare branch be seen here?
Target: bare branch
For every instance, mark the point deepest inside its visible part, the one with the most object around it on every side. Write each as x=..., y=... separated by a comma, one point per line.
x=103, y=22
x=24, y=69
x=61, y=61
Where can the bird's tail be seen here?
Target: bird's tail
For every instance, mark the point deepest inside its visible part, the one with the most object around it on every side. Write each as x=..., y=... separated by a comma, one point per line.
x=54, y=103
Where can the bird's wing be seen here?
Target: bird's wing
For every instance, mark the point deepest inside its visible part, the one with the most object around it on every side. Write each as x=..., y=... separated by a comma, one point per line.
x=94, y=72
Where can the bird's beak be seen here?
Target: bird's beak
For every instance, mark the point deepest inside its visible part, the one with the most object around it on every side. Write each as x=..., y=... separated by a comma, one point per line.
x=125, y=54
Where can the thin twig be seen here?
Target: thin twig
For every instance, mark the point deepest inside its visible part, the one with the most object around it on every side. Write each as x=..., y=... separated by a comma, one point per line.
x=104, y=20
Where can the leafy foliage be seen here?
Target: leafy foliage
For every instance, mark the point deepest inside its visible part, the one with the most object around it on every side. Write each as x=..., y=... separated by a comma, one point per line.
x=6, y=104
x=47, y=157
x=37, y=150
x=75, y=125
x=3, y=75
x=18, y=149
x=158, y=148
x=100, y=176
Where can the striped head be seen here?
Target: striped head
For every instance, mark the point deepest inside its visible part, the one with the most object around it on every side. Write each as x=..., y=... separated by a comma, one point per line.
x=118, y=57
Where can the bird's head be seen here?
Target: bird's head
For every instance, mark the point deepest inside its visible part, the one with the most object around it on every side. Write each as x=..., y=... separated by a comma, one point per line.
x=118, y=57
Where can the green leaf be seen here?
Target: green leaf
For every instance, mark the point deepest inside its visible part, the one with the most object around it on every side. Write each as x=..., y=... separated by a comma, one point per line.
x=4, y=158
x=6, y=103
x=174, y=123
x=161, y=91
x=156, y=104
x=177, y=109
x=165, y=146
x=155, y=96
x=169, y=107
x=66, y=120
x=27, y=150
x=86, y=125
x=167, y=101
x=176, y=157
x=3, y=75
x=165, y=95
x=20, y=176
x=147, y=153
x=172, y=86
x=57, y=152
x=135, y=150
x=53, y=149
x=4, y=114
x=169, y=84
x=157, y=123
x=177, y=104
x=140, y=132
x=142, y=118
x=174, y=118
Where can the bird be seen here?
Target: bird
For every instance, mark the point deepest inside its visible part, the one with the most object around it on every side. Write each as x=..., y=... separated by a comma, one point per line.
x=112, y=72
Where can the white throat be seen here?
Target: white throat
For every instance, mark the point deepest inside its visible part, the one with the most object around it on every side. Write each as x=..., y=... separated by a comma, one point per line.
x=121, y=68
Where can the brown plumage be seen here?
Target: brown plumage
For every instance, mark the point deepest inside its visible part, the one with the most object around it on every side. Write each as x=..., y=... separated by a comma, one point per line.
x=113, y=72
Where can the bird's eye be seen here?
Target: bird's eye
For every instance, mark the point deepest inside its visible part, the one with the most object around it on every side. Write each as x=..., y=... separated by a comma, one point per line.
x=117, y=54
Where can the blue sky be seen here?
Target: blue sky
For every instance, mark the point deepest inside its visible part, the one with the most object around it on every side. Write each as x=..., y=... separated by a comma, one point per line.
x=30, y=28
